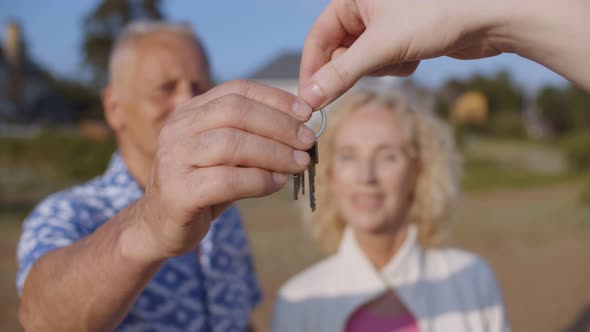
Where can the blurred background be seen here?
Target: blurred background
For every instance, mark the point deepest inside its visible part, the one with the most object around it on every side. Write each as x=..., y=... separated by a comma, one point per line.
x=523, y=130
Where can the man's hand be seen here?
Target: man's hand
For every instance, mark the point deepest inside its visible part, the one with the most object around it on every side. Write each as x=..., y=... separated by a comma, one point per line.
x=236, y=141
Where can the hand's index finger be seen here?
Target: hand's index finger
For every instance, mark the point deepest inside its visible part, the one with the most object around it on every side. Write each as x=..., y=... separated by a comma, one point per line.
x=325, y=36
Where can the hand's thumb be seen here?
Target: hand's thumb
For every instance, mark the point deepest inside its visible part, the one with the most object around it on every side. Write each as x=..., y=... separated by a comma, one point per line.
x=340, y=74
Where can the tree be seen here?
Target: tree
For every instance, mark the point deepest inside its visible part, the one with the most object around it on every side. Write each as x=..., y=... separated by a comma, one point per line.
x=567, y=109
x=83, y=99
x=502, y=93
x=579, y=107
x=552, y=104
x=505, y=101
x=103, y=24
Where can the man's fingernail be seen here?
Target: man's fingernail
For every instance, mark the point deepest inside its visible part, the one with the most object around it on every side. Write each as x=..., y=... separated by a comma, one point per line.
x=313, y=94
x=305, y=135
x=279, y=179
x=301, y=157
x=301, y=109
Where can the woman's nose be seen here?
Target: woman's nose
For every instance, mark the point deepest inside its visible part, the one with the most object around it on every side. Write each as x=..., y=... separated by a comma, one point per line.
x=367, y=172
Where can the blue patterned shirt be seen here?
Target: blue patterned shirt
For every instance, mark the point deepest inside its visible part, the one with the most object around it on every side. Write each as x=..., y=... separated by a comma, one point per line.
x=213, y=291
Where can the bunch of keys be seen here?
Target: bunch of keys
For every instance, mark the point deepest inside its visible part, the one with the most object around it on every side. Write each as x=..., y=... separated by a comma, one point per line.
x=299, y=179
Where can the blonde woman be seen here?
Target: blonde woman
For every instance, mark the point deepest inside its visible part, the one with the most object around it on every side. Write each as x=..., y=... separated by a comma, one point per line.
x=387, y=184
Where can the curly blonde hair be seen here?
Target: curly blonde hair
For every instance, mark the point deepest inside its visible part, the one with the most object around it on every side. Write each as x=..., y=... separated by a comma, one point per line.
x=437, y=187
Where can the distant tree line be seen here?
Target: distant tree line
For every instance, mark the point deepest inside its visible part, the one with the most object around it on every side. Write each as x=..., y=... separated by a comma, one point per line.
x=101, y=26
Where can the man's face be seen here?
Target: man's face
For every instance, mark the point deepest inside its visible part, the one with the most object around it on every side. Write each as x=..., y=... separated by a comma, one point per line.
x=160, y=72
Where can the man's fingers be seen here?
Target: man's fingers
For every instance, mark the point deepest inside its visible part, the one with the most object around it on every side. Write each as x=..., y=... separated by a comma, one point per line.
x=234, y=147
x=237, y=111
x=223, y=184
x=217, y=210
x=272, y=97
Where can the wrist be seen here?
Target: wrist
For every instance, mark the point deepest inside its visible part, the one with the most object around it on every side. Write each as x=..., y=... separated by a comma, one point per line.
x=136, y=242
x=534, y=29
x=552, y=33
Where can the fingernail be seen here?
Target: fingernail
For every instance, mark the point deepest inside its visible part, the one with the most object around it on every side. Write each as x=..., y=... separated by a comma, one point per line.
x=301, y=109
x=313, y=94
x=279, y=179
x=301, y=157
x=305, y=135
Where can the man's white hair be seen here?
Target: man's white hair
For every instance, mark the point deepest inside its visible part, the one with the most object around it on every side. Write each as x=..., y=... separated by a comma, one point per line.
x=137, y=30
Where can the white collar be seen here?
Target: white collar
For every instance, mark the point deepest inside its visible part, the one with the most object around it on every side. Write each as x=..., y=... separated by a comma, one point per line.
x=403, y=267
x=356, y=279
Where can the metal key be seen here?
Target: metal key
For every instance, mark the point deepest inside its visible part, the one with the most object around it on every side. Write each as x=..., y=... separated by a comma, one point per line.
x=299, y=179
x=298, y=184
x=313, y=153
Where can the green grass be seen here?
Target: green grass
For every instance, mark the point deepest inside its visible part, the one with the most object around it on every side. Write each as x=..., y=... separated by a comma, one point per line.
x=68, y=157
x=482, y=175
x=492, y=164
x=585, y=193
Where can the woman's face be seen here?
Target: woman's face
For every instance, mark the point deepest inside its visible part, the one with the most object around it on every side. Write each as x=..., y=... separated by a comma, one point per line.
x=372, y=178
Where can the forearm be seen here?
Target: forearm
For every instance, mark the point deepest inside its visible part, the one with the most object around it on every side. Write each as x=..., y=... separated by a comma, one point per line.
x=88, y=286
x=552, y=33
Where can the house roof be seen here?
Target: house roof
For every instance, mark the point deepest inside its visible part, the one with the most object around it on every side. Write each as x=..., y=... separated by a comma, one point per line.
x=283, y=67
x=30, y=68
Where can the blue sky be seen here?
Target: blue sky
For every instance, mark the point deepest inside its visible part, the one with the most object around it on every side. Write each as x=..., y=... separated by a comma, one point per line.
x=240, y=35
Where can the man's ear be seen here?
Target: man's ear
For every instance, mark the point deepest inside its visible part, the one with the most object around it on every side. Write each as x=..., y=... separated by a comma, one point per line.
x=113, y=112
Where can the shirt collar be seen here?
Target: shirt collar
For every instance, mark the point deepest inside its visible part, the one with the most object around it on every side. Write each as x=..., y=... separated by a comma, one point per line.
x=403, y=267
x=356, y=280
x=119, y=183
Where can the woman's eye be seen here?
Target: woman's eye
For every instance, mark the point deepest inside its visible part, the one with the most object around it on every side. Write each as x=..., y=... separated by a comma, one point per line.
x=390, y=157
x=346, y=157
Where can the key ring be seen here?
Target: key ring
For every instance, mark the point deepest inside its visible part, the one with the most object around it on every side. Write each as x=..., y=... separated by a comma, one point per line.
x=324, y=123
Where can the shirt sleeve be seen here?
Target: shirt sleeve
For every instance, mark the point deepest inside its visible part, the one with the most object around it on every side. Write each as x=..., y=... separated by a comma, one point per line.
x=50, y=226
x=493, y=309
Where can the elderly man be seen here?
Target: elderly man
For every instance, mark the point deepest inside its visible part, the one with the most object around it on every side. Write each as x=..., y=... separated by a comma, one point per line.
x=154, y=243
